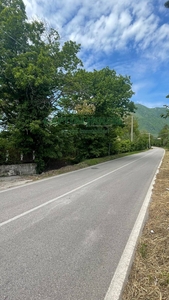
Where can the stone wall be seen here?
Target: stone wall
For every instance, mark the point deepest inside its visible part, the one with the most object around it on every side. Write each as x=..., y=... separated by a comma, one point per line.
x=19, y=169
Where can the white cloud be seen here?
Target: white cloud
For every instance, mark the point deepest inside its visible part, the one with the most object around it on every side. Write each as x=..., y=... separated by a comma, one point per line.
x=107, y=26
x=130, y=36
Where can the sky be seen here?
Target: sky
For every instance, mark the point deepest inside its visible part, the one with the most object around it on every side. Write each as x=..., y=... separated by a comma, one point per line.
x=129, y=36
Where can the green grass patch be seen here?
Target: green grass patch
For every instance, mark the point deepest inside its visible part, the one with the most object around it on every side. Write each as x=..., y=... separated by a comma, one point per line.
x=95, y=161
x=143, y=250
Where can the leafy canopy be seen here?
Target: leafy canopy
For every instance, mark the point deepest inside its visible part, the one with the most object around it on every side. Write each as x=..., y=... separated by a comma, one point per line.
x=107, y=92
x=166, y=4
x=39, y=77
x=33, y=67
x=33, y=64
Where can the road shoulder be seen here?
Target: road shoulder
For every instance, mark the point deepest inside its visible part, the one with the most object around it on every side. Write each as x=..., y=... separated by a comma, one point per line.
x=149, y=276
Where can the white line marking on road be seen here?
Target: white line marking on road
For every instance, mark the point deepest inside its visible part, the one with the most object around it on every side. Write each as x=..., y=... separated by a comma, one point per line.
x=122, y=271
x=65, y=174
x=59, y=197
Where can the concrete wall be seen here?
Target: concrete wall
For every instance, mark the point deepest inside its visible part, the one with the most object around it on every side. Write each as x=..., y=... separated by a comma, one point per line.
x=19, y=169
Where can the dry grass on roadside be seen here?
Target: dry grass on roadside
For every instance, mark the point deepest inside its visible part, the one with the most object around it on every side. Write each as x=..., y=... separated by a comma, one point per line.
x=149, y=277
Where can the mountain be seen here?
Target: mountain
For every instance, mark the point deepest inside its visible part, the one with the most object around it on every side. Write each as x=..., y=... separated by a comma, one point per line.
x=150, y=119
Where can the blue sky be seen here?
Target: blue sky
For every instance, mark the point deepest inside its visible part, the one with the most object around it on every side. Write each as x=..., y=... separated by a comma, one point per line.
x=129, y=36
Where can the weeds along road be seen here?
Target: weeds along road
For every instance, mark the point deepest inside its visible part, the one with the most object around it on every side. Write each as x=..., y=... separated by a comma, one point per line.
x=62, y=238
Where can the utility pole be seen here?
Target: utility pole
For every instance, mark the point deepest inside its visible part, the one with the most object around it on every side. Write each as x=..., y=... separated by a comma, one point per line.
x=131, y=128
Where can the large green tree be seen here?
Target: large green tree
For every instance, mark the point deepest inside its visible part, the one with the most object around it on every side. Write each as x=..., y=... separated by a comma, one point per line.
x=108, y=92
x=101, y=95
x=33, y=71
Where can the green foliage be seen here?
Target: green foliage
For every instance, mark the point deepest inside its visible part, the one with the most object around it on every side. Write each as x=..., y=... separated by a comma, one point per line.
x=125, y=132
x=166, y=114
x=91, y=144
x=166, y=4
x=108, y=92
x=122, y=142
x=141, y=142
x=164, y=278
x=100, y=94
x=163, y=136
x=111, y=93
x=125, y=146
x=8, y=151
x=143, y=250
x=33, y=69
x=40, y=79
x=3, y=149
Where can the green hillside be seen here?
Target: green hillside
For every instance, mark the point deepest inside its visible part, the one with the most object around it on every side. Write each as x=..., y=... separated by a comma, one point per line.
x=149, y=119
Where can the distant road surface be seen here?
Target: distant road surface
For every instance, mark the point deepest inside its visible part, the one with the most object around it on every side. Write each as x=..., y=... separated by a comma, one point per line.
x=62, y=238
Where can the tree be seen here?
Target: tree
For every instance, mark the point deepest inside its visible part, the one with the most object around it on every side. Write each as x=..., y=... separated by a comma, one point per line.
x=33, y=73
x=99, y=94
x=85, y=108
x=125, y=132
x=111, y=93
x=167, y=111
x=166, y=4
x=164, y=136
x=108, y=92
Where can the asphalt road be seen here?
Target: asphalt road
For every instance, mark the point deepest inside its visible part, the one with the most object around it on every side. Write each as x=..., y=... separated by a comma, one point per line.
x=62, y=238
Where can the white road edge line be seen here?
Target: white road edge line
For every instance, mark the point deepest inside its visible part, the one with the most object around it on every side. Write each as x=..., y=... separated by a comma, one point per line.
x=61, y=196
x=119, y=279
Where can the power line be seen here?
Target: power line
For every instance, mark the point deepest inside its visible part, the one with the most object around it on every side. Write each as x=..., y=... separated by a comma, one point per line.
x=12, y=38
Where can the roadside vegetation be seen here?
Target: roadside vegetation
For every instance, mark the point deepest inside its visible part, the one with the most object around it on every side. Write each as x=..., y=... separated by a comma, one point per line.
x=52, y=111
x=55, y=113
x=51, y=108
x=149, y=276
x=73, y=167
